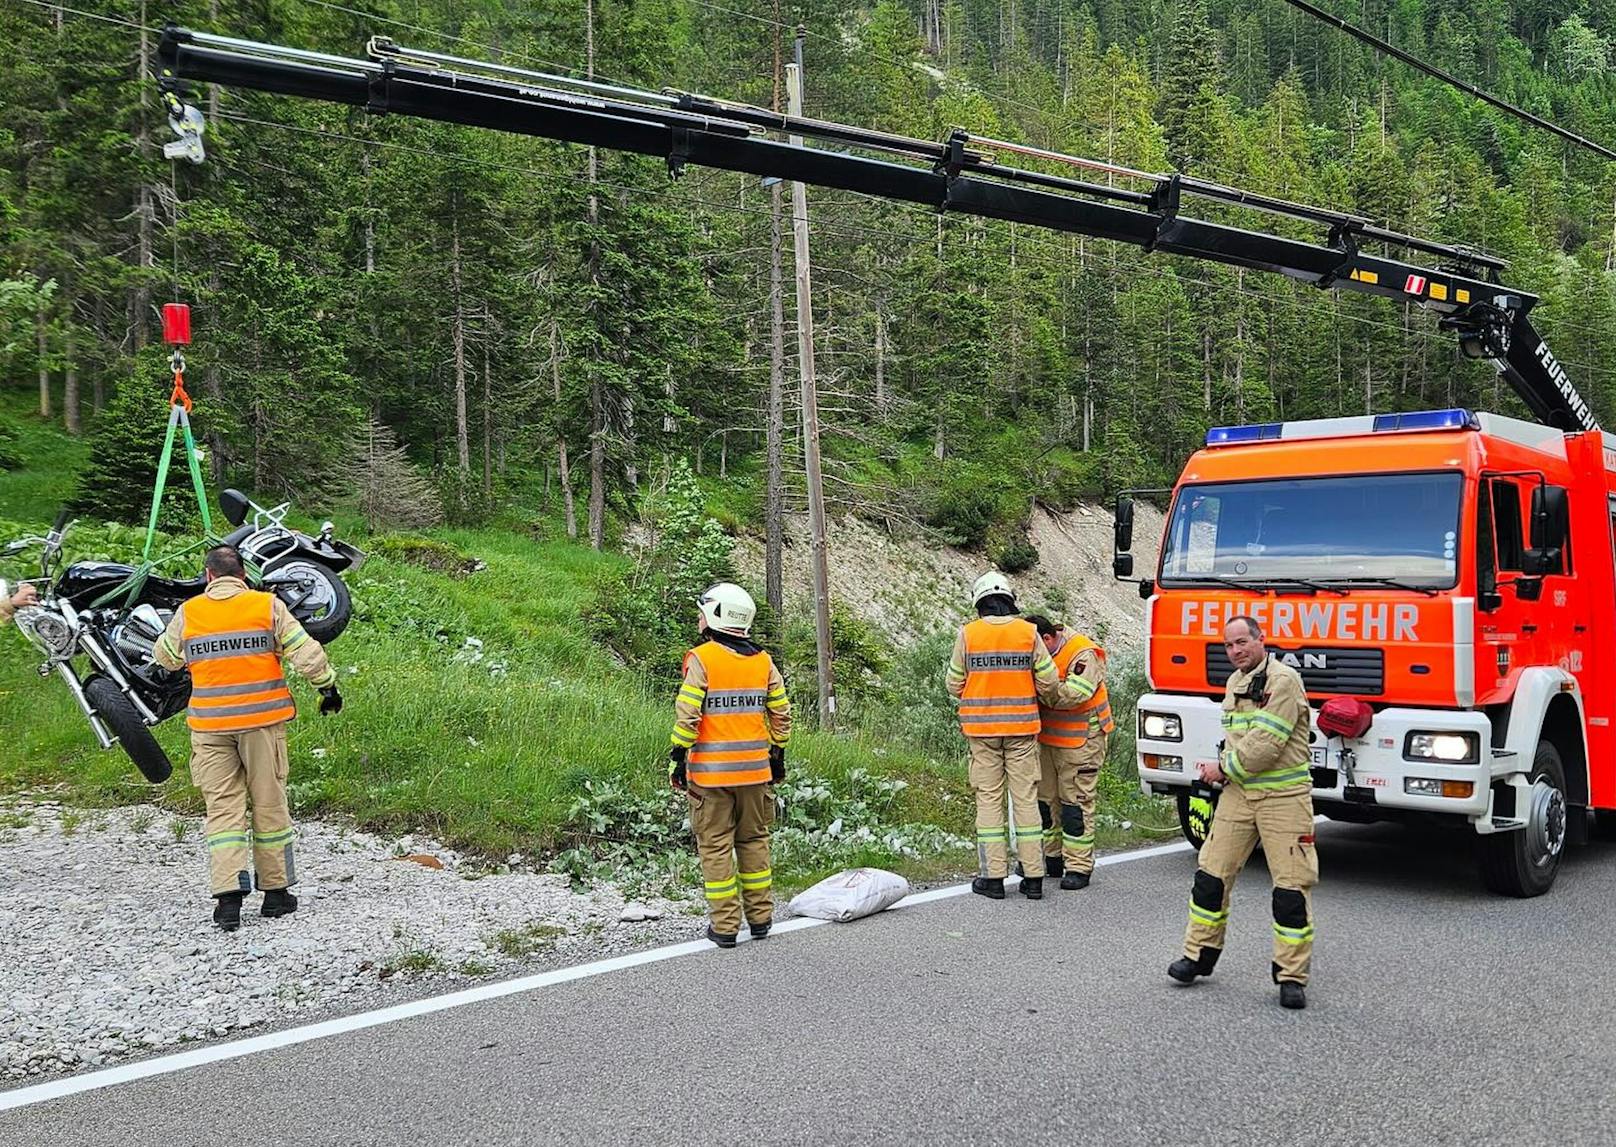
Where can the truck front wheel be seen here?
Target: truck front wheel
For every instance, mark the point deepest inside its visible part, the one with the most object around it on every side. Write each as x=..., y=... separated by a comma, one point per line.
x=1524, y=862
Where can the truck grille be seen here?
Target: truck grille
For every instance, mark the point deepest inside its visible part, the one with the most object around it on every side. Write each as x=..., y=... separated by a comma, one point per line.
x=1360, y=672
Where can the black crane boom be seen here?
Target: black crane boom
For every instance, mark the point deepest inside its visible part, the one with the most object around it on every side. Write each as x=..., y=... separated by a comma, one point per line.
x=962, y=173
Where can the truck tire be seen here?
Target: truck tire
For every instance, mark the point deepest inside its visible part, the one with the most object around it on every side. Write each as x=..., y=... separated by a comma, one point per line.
x=1195, y=838
x=125, y=723
x=1525, y=861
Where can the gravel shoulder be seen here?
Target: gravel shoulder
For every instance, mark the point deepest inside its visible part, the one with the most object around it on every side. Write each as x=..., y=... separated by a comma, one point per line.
x=111, y=950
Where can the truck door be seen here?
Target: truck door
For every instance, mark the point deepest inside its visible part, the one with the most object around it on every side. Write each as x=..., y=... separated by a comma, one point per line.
x=1510, y=632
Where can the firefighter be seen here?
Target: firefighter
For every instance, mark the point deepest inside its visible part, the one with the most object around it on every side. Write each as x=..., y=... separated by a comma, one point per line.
x=1268, y=797
x=731, y=725
x=1071, y=748
x=234, y=640
x=25, y=595
x=998, y=674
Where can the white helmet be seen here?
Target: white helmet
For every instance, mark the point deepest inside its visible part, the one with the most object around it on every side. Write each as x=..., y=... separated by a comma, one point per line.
x=989, y=584
x=728, y=608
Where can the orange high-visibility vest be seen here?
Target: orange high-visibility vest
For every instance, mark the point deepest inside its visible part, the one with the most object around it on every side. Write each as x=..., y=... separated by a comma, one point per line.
x=236, y=678
x=1071, y=728
x=732, y=738
x=1000, y=699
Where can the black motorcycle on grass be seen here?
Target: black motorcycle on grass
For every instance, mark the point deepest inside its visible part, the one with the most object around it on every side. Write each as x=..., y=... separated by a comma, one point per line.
x=101, y=612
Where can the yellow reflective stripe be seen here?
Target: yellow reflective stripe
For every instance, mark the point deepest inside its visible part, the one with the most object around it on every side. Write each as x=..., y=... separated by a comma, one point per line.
x=1293, y=935
x=684, y=737
x=1207, y=916
x=755, y=880
x=1084, y=687
x=172, y=649
x=1266, y=715
x=297, y=641
x=328, y=678
x=1282, y=779
x=720, y=889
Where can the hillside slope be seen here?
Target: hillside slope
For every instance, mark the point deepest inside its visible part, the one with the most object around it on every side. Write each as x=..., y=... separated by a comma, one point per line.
x=911, y=587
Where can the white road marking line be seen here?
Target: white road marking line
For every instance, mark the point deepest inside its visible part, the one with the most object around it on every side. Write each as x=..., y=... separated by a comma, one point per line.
x=235, y=1049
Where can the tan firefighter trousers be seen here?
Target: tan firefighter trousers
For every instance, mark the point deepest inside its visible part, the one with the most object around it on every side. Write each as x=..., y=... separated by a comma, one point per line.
x=229, y=768
x=731, y=825
x=1066, y=801
x=1284, y=824
x=1000, y=765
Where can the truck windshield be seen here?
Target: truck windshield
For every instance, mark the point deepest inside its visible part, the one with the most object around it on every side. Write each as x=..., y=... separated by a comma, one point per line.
x=1364, y=527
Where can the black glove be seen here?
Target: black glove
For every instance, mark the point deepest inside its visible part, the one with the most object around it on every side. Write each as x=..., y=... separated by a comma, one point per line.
x=777, y=763
x=330, y=701
x=676, y=766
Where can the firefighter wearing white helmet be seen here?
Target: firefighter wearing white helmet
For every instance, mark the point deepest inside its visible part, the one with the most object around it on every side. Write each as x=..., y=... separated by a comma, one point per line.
x=999, y=672
x=732, y=720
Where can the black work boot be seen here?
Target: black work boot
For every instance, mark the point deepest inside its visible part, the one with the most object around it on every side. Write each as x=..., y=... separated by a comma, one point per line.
x=279, y=902
x=722, y=939
x=1032, y=887
x=1072, y=881
x=1184, y=969
x=760, y=931
x=227, y=910
x=1292, y=995
x=990, y=886
x=1053, y=866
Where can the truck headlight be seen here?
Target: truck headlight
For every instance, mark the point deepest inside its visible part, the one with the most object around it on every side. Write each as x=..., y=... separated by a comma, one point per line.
x=1160, y=726
x=1453, y=748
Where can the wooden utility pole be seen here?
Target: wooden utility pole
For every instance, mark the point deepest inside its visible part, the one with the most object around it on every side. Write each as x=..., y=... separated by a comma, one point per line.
x=774, y=509
x=597, y=397
x=810, y=413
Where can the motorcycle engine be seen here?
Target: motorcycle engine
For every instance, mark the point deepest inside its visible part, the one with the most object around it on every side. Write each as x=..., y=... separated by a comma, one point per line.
x=136, y=633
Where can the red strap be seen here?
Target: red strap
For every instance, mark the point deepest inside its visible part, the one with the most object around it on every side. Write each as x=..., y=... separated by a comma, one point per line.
x=179, y=397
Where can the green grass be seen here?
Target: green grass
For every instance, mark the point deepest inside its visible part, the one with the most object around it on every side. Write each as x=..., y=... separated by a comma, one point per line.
x=477, y=706
x=51, y=462
x=526, y=941
x=479, y=710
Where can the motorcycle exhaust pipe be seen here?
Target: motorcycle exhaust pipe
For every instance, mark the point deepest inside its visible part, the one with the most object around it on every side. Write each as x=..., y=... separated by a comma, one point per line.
x=71, y=680
x=110, y=668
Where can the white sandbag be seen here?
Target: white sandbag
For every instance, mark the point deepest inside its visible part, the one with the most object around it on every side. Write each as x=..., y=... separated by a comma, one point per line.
x=851, y=894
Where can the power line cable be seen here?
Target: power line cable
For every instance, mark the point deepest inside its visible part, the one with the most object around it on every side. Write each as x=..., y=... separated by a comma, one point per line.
x=48, y=4
x=1432, y=70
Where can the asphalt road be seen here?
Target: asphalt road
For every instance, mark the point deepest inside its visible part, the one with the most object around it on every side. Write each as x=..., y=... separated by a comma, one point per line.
x=1438, y=1014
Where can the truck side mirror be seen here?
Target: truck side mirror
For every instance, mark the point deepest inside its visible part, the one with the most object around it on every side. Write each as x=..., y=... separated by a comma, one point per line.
x=234, y=505
x=1124, y=525
x=1536, y=563
x=1528, y=588
x=1122, y=565
x=1551, y=518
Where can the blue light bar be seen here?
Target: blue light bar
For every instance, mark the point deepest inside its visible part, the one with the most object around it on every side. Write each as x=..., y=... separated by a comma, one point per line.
x=1456, y=419
x=1256, y=432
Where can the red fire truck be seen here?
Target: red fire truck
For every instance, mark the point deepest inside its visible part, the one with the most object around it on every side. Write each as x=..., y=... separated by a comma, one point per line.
x=1453, y=570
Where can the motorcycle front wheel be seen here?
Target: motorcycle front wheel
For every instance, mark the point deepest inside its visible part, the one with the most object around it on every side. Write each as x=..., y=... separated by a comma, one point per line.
x=125, y=723
x=318, y=598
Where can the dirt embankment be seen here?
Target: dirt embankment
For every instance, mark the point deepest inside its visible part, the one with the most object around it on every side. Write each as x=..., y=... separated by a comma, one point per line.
x=910, y=587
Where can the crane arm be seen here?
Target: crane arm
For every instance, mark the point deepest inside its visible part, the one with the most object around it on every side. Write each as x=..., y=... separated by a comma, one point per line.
x=964, y=173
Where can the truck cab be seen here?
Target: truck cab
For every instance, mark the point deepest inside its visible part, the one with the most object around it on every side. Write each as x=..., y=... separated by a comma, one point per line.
x=1452, y=570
